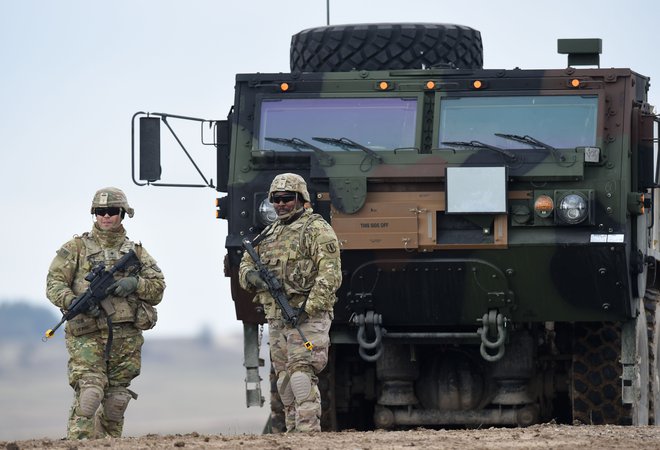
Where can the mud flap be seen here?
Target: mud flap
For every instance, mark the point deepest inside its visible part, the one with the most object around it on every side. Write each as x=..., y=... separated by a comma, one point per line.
x=635, y=367
x=628, y=362
x=252, y=362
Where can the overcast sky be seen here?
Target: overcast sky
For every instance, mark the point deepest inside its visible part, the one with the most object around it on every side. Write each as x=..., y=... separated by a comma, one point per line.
x=74, y=72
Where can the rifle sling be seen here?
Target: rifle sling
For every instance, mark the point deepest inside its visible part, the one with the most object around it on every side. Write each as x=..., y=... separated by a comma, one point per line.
x=108, y=344
x=261, y=236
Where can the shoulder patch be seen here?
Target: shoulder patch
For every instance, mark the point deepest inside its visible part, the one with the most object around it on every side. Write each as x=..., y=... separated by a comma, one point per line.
x=63, y=253
x=330, y=247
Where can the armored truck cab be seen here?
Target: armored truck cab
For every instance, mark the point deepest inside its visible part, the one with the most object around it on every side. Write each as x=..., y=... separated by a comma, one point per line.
x=498, y=226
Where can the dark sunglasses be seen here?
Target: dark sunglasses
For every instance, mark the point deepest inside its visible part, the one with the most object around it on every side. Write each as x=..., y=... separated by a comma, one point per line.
x=112, y=211
x=275, y=199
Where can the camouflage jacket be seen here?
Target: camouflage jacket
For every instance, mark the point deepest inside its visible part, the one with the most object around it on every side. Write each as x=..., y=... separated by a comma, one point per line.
x=304, y=256
x=76, y=258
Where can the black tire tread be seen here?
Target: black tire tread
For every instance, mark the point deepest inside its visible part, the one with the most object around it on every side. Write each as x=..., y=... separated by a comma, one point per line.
x=596, y=376
x=382, y=46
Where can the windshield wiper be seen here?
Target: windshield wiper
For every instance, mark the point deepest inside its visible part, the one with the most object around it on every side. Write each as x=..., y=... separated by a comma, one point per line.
x=300, y=145
x=348, y=144
x=535, y=143
x=476, y=144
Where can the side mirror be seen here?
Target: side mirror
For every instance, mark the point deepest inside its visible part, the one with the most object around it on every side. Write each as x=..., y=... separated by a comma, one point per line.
x=150, y=169
x=150, y=147
x=644, y=151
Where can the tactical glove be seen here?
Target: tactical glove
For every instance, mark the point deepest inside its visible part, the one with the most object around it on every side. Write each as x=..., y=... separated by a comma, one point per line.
x=94, y=311
x=254, y=278
x=66, y=304
x=123, y=287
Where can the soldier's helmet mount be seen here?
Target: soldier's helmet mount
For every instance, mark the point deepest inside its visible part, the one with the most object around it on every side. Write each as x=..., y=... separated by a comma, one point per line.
x=289, y=182
x=111, y=197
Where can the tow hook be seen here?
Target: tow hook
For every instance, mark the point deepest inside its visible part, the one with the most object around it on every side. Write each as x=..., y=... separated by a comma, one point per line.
x=369, y=324
x=493, y=324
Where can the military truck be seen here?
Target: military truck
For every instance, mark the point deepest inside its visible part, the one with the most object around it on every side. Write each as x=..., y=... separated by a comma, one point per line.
x=498, y=226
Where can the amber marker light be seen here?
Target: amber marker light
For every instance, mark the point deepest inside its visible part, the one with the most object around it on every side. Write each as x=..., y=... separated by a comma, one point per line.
x=284, y=87
x=575, y=83
x=217, y=208
x=383, y=85
x=477, y=84
x=544, y=205
x=430, y=85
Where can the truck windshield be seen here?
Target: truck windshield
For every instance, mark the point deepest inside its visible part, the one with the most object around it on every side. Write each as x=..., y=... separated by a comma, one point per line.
x=376, y=123
x=562, y=121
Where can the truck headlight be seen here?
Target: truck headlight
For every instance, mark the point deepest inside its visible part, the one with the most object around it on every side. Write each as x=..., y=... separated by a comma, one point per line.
x=267, y=213
x=572, y=209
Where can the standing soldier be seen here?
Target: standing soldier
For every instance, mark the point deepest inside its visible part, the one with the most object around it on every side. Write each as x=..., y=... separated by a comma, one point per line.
x=102, y=364
x=301, y=250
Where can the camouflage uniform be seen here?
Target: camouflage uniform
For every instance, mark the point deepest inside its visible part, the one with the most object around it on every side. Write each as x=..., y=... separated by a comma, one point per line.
x=95, y=382
x=304, y=254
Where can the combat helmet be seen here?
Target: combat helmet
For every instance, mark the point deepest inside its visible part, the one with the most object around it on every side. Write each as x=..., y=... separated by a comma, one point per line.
x=109, y=197
x=289, y=182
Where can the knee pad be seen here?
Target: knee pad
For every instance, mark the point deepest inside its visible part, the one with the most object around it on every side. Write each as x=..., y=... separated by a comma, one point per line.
x=284, y=389
x=89, y=399
x=301, y=385
x=116, y=403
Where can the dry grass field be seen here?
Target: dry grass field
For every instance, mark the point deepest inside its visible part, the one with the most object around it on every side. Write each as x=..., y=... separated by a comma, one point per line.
x=186, y=385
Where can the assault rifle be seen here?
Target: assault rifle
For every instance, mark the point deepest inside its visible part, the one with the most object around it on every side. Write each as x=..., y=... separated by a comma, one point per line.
x=289, y=314
x=99, y=281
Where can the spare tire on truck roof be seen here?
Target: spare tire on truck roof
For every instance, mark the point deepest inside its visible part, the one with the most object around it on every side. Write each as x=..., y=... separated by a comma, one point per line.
x=382, y=46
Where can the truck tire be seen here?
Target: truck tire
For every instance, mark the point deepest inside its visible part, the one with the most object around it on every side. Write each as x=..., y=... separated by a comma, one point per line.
x=596, y=374
x=382, y=46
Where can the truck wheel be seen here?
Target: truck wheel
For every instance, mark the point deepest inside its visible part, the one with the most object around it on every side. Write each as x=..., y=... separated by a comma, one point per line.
x=596, y=383
x=382, y=46
x=652, y=308
x=596, y=375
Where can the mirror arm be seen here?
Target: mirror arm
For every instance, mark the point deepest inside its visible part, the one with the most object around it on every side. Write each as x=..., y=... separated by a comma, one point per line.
x=163, y=118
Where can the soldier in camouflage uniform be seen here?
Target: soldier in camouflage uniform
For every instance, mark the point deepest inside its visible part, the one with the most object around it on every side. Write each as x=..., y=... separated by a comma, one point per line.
x=101, y=387
x=302, y=250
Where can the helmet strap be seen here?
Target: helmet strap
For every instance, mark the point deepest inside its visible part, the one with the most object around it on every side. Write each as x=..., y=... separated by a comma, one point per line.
x=293, y=215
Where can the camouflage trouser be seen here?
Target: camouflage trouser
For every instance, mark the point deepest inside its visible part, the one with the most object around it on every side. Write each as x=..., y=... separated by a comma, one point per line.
x=297, y=367
x=88, y=370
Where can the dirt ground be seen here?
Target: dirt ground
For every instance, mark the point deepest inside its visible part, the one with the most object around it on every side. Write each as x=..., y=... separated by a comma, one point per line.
x=538, y=436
